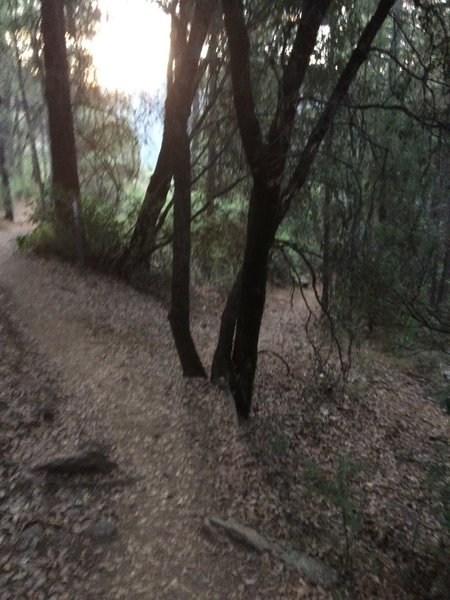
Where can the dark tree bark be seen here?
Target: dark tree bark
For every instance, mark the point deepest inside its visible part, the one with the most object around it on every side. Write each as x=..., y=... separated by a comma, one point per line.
x=136, y=256
x=326, y=251
x=181, y=88
x=267, y=160
x=174, y=159
x=178, y=111
x=442, y=292
x=65, y=182
x=179, y=314
x=4, y=174
x=261, y=228
x=221, y=365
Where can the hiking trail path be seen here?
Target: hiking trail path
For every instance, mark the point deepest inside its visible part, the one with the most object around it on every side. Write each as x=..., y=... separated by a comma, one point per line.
x=112, y=352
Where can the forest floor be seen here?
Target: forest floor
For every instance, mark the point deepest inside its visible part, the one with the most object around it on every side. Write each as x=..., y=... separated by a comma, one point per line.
x=343, y=476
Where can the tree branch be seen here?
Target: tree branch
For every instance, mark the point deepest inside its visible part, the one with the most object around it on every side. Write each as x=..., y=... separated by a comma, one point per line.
x=357, y=58
x=244, y=103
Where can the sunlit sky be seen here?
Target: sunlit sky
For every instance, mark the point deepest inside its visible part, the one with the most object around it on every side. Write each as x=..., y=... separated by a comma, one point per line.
x=131, y=46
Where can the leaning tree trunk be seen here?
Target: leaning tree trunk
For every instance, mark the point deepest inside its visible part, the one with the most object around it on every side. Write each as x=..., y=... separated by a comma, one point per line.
x=136, y=256
x=182, y=83
x=65, y=182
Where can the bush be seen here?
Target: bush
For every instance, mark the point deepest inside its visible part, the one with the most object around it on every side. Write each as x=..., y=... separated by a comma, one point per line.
x=105, y=235
x=217, y=245
x=336, y=489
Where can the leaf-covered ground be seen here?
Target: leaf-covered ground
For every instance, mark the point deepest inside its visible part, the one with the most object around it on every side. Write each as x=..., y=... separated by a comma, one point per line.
x=86, y=358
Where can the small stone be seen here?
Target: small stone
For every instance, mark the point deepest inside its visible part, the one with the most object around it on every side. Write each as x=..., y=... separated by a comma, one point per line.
x=56, y=589
x=92, y=457
x=31, y=536
x=40, y=582
x=47, y=413
x=103, y=530
x=73, y=513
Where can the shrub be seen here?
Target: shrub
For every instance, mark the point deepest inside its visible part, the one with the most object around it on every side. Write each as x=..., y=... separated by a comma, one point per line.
x=105, y=235
x=336, y=490
x=217, y=245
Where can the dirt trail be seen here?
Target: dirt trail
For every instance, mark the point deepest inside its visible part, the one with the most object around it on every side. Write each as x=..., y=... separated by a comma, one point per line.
x=112, y=351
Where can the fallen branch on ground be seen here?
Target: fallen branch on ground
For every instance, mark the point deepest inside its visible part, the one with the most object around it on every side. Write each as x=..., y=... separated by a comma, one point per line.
x=311, y=569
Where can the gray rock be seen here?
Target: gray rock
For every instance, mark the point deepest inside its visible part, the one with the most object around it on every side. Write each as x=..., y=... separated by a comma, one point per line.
x=73, y=513
x=313, y=570
x=33, y=531
x=47, y=413
x=103, y=530
x=55, y=589
x=91, y=458
x=31, y=536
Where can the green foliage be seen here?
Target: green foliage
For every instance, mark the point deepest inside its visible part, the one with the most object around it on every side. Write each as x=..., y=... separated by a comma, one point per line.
x=443, y=397
x=217, y=243
x=439, y=485
x=108, y=146
x=41, y=239
x=104, y=233
x=336, y=489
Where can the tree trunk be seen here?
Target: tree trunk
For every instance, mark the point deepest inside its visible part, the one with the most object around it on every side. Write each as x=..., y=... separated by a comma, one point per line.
x=261, y=228
x=442, y=291
x=4, y=174
x=221, y=365
x=65, y=182
x=181, y=87
x=179, y=314
x=137, y=254
x=29, y=121
x=267, y=160
x=326, y=253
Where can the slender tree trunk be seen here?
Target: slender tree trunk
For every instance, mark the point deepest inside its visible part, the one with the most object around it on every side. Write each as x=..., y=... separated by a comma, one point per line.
x=29, y=121
x=4, y=174
x=261, y=228
x=212, y=93
x=17, y=148
x=326, y=252
x=181, y=88
x=221, y=365
x=442, y=291
x=179, y=314
x=137, y=254
x=65, y=182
